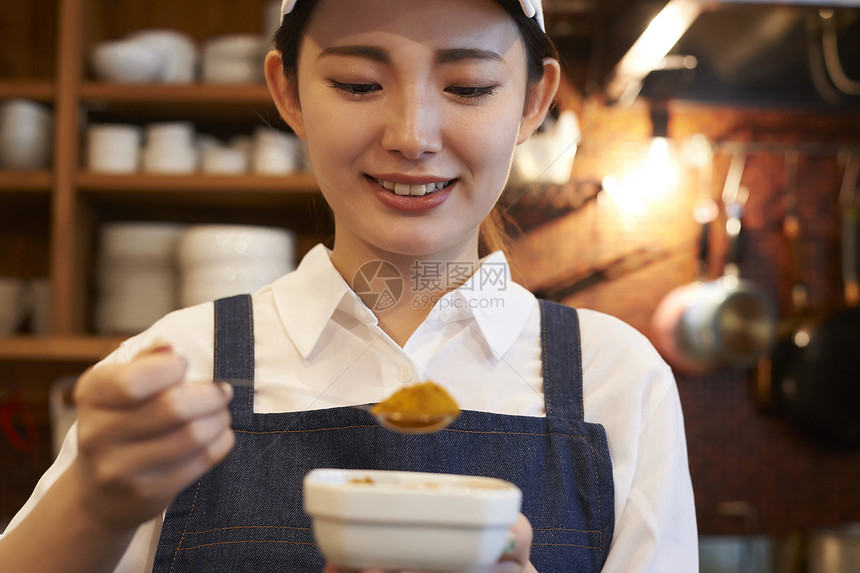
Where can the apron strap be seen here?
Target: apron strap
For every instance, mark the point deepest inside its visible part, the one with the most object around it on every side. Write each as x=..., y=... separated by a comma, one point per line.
x=561, y=359
x=234, y=349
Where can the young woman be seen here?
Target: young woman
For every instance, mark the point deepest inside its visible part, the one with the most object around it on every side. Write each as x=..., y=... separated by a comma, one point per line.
x=411, y=110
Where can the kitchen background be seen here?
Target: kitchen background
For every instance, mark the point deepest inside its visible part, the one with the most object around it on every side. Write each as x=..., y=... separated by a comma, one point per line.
x=609, y=226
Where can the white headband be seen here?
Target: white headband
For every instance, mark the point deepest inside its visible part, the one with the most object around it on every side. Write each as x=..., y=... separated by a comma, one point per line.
x=531, y=8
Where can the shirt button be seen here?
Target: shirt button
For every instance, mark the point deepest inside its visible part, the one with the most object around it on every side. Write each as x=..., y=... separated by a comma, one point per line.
x=404, y=374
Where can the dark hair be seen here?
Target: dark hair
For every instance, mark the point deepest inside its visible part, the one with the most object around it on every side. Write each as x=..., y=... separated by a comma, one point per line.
x=537, y=45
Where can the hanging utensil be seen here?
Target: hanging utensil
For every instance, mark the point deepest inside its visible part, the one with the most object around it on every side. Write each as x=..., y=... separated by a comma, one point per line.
x=817, y=376
x=727, y=322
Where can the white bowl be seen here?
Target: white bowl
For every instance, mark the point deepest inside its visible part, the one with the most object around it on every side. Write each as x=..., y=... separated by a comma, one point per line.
x=178, y=49
x=235, y=46
x=223, y=243
x=410, y=520
x=169, y=158
x=123, y=61
x=140, y=243
x=171, y=132
x=25, y=152
x=224, y=160
x=223, y=71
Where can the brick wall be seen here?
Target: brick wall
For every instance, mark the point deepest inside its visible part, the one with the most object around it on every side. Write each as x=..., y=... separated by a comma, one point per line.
x=737, y=454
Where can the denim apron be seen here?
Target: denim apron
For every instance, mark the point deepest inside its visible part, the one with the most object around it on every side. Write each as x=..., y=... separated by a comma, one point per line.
x=245, y=515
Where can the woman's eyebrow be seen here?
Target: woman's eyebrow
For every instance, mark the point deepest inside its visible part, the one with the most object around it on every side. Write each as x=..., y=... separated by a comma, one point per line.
x=454, y=55
x=368, y=52
x=445, y=56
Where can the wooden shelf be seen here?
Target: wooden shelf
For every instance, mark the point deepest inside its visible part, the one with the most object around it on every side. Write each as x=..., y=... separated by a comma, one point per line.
x=299, y=183
x=174, y=93
x=39, y=90
x=201, y=103
x=16, y=181
x=84, y=349
x=202, y=189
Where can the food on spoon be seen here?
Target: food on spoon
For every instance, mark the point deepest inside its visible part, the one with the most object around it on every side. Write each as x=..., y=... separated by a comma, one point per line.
x=413, y=405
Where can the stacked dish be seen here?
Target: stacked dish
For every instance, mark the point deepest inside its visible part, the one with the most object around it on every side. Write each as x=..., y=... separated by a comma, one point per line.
x=233, y=59
x=136, y=276
x=223, y=260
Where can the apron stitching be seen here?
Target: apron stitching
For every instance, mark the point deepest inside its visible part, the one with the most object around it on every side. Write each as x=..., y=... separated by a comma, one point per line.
x=536, y=435
x=579, y=369
x=251, y=355
x=215, y=373
x=544, y=361
x=565, y=529
x=566, y=545
x=597, y=482
x=187, y=521
x=248, y=527
x=245, y=541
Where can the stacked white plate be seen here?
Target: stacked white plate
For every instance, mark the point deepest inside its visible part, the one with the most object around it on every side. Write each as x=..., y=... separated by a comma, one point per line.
x=223, y=260
x=137, y=276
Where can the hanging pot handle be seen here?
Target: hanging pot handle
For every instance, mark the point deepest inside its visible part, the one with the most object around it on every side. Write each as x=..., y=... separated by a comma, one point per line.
x=734, y=197
x=848, y=200
x=791, y=228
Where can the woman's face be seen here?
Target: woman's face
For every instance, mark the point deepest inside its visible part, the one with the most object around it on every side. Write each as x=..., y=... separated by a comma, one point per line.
x=411, y=110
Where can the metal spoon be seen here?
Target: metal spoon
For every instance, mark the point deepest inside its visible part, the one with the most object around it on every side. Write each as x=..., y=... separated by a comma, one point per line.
x=394, y=421
x=412, y=423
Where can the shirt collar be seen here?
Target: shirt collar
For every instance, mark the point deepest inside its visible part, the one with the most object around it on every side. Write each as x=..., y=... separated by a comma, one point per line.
x=307, y=298
x=499, y=306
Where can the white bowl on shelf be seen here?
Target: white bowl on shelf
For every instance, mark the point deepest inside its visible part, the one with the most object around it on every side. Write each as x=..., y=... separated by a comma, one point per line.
x=124, y=61
x=410, y=520
x=223, y=243
x=141, y=242
x=169, y=158
x=25, y=152
x=178, y=50
x=113, y=148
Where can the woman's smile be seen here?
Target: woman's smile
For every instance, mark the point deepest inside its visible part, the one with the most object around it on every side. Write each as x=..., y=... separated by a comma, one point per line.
x=404, y=196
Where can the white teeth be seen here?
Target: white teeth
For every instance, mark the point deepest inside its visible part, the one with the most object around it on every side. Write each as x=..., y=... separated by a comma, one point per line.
x=416, y=190
x=402, y=189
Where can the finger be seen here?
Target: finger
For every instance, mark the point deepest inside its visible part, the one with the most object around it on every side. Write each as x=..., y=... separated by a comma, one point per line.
x=174, y=477
x=141, y=469
x=127, y=385
x=166, y=411
x=152, y=454
x=518, y=547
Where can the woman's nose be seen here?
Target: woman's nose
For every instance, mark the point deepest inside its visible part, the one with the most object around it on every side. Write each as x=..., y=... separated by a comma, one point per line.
x=413, y=127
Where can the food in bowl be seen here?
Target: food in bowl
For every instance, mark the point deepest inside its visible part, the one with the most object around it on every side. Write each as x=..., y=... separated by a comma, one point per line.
x=410, y=520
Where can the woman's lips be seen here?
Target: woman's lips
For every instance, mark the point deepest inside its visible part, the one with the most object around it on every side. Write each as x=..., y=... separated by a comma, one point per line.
x=411, y=202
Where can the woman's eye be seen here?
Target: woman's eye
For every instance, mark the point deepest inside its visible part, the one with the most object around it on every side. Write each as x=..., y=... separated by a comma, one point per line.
x=468, y=92
x=355, y=89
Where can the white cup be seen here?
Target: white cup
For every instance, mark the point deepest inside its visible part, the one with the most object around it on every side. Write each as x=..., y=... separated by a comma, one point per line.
x=113, y=148
x=25, y=134
x=224, y=160
x=276, y=152
x=171, y=132
x=14, y=304
x=170, y=158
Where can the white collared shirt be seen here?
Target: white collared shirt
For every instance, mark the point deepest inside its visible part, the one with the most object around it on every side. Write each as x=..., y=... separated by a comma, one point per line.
x=317, y=345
